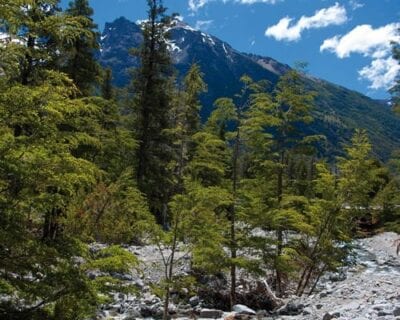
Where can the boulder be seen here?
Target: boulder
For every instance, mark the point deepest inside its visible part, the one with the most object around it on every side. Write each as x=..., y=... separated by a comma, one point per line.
x=291, y=309
x=327, y=316
x=307, y=311
x=211, y=313
x=242, y=309
x=194, y=301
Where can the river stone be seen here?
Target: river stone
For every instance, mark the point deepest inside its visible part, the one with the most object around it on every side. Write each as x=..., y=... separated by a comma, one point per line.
x=211, y=313
x=240, y=308
x=327, y=316
x=194, y=301
x=396, y=312
x=291, y=309
x=132, y=315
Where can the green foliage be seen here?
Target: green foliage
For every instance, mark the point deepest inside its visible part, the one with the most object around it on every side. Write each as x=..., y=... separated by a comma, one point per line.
x=79, y=62
x=385, y=204
x=209, y=163
x=113, y=213
x=185, y=122
x=358, y=172
x=152, y=105
x=46, y=32
x=246, y=190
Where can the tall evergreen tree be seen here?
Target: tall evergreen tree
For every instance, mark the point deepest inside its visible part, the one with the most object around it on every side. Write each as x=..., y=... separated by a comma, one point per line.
x=81, y=65
x=293, y=106
x=230, y=114
x=359, y=174
x=185, y=122
x=107, y=90
x=152, y=107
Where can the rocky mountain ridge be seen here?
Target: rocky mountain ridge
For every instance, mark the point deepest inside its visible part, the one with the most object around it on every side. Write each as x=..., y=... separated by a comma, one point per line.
x=338, y=110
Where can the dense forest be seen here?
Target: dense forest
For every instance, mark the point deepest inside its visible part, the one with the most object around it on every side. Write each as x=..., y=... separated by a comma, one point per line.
x=82, y=162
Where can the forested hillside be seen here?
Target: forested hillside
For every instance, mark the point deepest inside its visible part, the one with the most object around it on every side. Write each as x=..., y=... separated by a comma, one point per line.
x=246, y=196
x=338, y=111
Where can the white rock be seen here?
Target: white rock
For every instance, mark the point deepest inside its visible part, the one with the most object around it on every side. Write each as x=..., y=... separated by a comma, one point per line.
x=240, y=308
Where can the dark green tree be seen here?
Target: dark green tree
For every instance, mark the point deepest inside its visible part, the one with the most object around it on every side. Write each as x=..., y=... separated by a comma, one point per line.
x=107, y=90
x=185, y=122
x=293, y=107
x=152, y=90
x=359, y=177
x=38, y=31
x=81, y=65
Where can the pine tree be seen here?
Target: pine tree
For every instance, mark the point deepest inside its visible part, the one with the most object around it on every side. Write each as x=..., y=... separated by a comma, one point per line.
x=293, y=106
x=107, y=90
x=81, y=65
x=40, y=177
x=152, y=89
x=185, y=122
x=328, y=225
x=228, y=114
x=359, y=176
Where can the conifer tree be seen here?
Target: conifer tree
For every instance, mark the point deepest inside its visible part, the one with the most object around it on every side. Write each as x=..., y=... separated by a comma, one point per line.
x=293, y=106
x=185, y=122
x=152, y=107
x=81, y=65
x=359, y=175
x=107, y=90
x=39, y=32
x=226, y=114
x=328, y=225
x=41, y=179
x=50, y=146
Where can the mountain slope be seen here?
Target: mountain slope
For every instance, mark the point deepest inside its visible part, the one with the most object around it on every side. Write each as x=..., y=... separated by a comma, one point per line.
x=338, y=110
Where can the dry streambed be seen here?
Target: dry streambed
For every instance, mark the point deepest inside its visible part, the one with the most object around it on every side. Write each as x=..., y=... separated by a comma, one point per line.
x=370, y=289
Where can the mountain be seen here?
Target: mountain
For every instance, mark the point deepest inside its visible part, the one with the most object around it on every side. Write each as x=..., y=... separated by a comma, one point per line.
x=338, y=110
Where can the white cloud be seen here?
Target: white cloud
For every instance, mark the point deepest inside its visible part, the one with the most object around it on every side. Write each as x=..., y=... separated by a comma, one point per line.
x=283, y=30
x=371, y=43
x=363, y=39
x=203, y=24
x=381, y=73
x=195, y=5
x=354, y=4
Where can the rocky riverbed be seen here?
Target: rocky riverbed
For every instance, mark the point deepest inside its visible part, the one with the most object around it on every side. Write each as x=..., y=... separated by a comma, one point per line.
x=369, y=289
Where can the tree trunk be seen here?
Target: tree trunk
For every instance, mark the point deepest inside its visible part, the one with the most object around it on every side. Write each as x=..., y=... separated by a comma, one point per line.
x=28, y=66
x=276, y=302
x=233, y=243
x=279, y=232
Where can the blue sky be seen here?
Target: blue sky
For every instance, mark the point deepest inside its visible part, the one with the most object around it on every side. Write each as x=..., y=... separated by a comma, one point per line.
x=344, y=41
